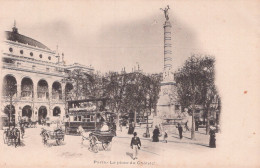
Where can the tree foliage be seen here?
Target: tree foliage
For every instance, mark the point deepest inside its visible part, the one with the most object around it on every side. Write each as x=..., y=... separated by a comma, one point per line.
x=127, y=92
x=196, y=83
x=132, y=92
x=85, y=85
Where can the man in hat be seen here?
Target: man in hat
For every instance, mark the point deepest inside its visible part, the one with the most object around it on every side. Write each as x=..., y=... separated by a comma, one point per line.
x=135, y=145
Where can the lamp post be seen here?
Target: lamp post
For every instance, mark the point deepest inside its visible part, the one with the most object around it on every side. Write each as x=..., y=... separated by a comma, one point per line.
x=12, y=90
x=147, y=133
x=147, y=127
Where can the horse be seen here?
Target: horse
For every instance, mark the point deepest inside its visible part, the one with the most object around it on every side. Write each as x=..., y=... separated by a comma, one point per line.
x=84, y=135
x=45, y=136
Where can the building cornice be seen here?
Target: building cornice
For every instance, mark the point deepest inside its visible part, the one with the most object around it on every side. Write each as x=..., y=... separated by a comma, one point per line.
x=34, y=71
x=29, y=46
x=34, y=61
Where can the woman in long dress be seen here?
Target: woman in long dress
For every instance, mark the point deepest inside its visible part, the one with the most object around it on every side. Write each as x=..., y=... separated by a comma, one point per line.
x=131, y=129
x=156, y=134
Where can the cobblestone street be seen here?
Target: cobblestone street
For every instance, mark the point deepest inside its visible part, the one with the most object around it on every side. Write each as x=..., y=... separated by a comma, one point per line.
x=72, y=152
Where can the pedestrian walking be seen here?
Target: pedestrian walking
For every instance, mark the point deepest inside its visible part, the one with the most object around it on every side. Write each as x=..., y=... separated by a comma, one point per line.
x=22, y=129
x=135, y=145
x=120, y=126
x=212, y=137
x=156, y=133
x=165, y=136
x=131, y=128
x=180, y=130
x=196, y=125
x=186, y=126
x=113, y=128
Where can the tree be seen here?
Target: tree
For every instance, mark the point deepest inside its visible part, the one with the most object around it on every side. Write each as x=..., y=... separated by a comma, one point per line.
x=126, y=92
x=209, y=90
x=114, y=86
x=195, y=85
x=84, y=84
x=9, y=90
x=132, y=92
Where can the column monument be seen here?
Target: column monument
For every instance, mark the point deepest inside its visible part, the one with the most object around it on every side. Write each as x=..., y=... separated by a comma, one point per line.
x=167, y=97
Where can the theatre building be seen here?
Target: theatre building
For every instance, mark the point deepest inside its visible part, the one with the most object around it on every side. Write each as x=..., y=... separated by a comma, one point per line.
x=36, y=75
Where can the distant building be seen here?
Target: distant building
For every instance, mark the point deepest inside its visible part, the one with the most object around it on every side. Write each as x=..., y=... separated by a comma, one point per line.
x=37, y=73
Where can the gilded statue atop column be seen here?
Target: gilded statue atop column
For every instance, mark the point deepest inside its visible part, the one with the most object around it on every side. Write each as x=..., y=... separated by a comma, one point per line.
x=166, y=13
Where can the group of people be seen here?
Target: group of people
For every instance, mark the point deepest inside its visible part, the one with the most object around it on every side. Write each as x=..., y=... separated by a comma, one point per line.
x=157, y=134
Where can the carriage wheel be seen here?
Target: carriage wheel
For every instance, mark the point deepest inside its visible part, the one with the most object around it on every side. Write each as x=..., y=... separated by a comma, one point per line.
x=106, y=145
x=93, y=144
x=95, y=148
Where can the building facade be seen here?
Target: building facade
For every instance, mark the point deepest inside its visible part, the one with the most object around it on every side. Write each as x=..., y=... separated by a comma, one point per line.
x=37, y=74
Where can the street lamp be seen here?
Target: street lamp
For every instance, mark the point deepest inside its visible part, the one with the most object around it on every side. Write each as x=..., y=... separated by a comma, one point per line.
x=147, y=133
x=12, y=89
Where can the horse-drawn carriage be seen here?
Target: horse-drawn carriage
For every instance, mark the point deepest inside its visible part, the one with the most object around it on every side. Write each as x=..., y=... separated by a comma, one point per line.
x=12, y=136
x=99, y=137
x=89, y=117
x=56, y=134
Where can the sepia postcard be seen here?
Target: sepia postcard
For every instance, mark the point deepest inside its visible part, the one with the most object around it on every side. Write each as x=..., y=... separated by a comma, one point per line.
x=137, y=83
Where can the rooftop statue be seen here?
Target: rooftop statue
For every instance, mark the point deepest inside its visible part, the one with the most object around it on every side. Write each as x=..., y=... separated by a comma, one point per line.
x=166, y=13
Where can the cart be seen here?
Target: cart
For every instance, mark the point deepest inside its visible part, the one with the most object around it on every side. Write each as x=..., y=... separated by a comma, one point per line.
x=100, y=137
x=57, y=135
x=12, y=136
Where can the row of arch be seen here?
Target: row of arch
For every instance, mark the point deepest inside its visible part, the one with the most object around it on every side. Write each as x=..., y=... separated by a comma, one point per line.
x=27, y=111
x=27, y=88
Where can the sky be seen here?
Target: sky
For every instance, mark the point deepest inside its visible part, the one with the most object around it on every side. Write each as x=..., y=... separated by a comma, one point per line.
x=110, y=35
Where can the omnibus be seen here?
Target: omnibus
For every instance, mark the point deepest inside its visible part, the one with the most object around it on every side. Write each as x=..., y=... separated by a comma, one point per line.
x=89, y=113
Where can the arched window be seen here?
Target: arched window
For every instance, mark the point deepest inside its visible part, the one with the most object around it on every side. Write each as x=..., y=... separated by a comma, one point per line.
x=42, y=89
x=56, y=111
x=42, y=114
x=27, y=111
x=68, y=91
x=56, y=91
x=9, y=86
x=27, y=87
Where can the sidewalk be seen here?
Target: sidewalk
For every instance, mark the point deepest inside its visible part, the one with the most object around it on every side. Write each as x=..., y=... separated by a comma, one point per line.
x=173, y=136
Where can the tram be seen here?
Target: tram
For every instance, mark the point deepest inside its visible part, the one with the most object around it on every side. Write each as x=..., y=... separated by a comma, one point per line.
x=88, y=113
